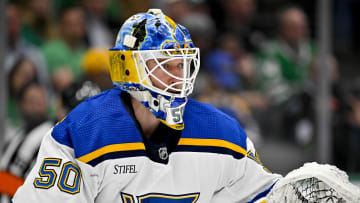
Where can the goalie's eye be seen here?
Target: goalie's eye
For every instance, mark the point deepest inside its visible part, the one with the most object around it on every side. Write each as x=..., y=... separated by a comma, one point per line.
x=181, y=65
x=165, y=65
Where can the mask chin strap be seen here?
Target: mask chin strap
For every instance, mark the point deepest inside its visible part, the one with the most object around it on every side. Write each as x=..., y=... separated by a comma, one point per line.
x=169, y=110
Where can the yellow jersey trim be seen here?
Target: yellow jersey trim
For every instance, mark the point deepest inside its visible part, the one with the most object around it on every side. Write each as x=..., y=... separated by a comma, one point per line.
x=111, y=148
x=212, y=143
x=140, y=146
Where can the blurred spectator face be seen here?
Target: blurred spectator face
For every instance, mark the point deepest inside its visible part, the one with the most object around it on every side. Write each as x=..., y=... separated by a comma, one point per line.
x=177, y=9
x=240, y=9
x=96, y=7
x=230, y=44
x=62, y=78
x=13, y=22
x=40, y=7
x=33, y=106
x=33, y=100
x=294, y=26
x=73, y=25
x=23, y=73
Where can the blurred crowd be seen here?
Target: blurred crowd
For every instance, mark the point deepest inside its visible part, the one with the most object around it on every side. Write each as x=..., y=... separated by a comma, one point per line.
x=259, y=67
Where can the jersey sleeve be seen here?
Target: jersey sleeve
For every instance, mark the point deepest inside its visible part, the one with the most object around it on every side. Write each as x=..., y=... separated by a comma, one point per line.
x=250, y=181
x=58, y=177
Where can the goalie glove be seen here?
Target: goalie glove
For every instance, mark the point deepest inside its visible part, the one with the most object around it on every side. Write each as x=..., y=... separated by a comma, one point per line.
x=315, y=183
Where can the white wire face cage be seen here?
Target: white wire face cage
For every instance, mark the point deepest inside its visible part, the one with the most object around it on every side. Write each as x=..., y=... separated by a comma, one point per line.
x=183, y=81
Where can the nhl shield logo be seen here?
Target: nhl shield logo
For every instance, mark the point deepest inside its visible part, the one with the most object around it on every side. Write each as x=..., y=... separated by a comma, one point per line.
x=163, y=154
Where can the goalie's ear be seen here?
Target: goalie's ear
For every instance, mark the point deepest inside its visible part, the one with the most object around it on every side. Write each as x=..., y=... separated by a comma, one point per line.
x=315, y=182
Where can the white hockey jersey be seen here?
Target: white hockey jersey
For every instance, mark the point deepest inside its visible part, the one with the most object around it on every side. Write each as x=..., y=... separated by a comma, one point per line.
x=98, y=154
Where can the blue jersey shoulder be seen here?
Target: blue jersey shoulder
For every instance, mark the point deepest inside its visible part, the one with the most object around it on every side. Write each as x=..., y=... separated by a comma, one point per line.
x=204, y=121
x=102, y=121
x=99, y=121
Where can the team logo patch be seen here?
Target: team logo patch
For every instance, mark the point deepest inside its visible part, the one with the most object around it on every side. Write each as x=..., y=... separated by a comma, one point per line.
x=163, y=153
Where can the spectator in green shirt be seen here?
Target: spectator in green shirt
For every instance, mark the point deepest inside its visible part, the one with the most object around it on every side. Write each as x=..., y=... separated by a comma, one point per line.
x=284, y=63
x=67, y=51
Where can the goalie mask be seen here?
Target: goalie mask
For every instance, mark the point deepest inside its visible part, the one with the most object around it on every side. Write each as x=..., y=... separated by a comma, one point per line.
x=155, y=60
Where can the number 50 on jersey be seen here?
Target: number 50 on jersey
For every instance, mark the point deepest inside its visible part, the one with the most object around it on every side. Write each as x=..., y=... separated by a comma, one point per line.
x=69, y=180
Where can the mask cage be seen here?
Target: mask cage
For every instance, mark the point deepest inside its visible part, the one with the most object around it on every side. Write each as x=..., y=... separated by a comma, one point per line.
x=184, y=82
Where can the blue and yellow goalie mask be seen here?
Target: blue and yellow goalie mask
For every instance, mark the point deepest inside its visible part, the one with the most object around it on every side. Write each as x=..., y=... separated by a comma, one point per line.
x=155, y=60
